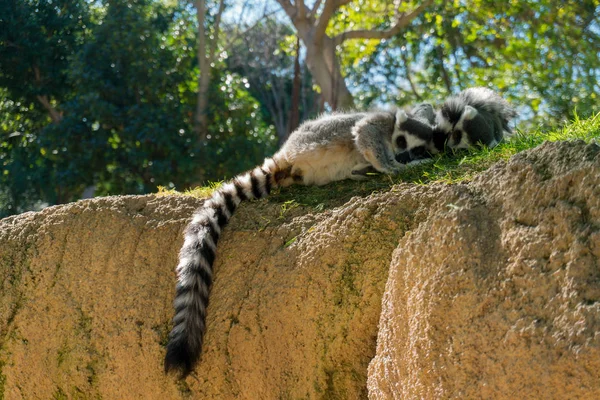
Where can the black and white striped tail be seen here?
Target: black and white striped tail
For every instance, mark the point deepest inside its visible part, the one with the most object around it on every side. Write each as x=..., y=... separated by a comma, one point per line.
x=194, y=271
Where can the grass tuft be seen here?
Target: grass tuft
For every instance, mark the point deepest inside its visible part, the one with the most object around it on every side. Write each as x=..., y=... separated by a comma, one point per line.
x=200, y=191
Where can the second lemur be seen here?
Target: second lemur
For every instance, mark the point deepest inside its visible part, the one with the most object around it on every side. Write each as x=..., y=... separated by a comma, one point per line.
x=476, y=116
x=330, y=148
x=414, y=134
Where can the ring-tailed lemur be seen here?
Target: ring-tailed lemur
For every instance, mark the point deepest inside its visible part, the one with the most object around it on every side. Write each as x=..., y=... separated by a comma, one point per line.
x=474, y=116
x=413, y=134
x=327, y=149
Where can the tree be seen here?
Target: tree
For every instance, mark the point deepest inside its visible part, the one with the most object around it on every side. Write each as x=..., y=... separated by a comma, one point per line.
x=294, y=114
x=125, y=127
x=311, y=24
x=547, y=66
x=261, y=55
x=208, y=39
x=127, y=113
x=22, y=180
x=36, y=40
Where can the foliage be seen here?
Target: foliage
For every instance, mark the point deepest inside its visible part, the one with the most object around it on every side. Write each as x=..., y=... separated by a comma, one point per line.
x=37, y=37
x=103, y=93
x=233, y=111
x=128, y=117
x=21, y=166
x=259, y=54
x=543, y=55
x=126, y=98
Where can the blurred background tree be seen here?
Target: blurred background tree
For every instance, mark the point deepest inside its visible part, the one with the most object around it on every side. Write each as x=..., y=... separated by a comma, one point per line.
x=543, y=55
x=122, y=96
x=267, y=58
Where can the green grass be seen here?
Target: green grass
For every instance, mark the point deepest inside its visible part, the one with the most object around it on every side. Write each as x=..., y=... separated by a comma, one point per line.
x=447, y=168
x=200, y=192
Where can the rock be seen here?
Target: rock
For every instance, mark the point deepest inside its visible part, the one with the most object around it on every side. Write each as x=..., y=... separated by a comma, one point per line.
x=497, y=294
x=87, y=290
x=490, y=289
x=84, y=298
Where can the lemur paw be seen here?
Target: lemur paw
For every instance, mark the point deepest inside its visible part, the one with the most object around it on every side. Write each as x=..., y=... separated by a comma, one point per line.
x=396, y=167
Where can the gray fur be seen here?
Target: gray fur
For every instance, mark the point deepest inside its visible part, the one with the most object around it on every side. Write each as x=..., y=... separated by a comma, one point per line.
x=373, y=139
x=330, y=148
x=336, y=146
x=424, y=112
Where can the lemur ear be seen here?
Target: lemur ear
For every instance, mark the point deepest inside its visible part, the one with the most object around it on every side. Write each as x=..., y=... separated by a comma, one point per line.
x=469, y=113
x=401, y=117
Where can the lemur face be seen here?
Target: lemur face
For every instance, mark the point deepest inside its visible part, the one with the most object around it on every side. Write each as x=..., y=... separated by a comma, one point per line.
x=459, y=137
x=470, y=129
x=440, y=139
x=411, y=139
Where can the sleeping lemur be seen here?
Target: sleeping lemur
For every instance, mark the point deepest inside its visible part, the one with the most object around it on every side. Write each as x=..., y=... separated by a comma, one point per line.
x=476, y=116
x=330, y=148
x=414, y=134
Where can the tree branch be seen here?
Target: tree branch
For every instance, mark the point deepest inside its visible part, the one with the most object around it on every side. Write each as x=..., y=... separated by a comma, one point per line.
x=237, y=34
x=55, y=115
x=446, y=77
x=242, y=12
x=288, y=7
x=401, y=22
x=301, y=9
x=200, y=16
x=201, y=119
x=315, y=8
x=456, y=68
x=409, y=77
x=215, y=41
x=328, y=10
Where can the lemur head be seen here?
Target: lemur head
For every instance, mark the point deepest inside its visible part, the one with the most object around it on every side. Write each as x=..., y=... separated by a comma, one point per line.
x=413, y=134
x=476, y=116
x=465, y=128
x=458, y=137
x=448, y=116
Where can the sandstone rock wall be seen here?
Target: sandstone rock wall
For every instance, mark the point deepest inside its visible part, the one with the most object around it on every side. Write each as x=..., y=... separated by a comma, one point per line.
x=84, y=298
x=483, y=290
x=497, y=294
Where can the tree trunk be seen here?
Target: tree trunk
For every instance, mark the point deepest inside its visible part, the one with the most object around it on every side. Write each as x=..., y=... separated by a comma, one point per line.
x=55, y=115
x=446, y=77
x=328, y=75
x=201, y=117
x=205, y=59
x=324, y=67
x=321, y=57
x=294, y=120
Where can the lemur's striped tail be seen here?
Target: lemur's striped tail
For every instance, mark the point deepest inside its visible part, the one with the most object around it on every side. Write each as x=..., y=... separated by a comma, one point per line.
x=194, y=271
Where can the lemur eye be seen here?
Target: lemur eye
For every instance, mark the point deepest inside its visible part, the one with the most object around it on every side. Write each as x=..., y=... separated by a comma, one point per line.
x=401, y=142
